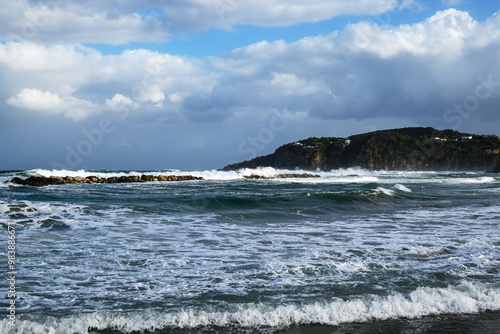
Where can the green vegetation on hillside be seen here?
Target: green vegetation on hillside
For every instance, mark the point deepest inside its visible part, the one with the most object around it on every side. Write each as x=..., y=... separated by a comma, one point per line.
x=398, y=149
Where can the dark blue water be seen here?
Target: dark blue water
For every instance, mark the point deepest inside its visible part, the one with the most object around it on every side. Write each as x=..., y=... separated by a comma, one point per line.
x=230, y=254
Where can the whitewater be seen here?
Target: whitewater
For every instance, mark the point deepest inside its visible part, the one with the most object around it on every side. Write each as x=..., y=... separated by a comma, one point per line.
x=353, y=250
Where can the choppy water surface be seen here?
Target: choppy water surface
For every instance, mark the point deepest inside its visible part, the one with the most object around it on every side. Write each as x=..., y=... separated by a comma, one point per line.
x=234, y=254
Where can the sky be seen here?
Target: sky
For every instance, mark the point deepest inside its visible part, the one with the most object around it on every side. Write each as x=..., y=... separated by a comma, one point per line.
x=199, y=84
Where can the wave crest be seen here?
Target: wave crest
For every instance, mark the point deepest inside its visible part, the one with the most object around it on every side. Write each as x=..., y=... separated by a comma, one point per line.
x=465, y=298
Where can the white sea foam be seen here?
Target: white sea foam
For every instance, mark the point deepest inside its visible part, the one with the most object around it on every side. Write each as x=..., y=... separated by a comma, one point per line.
x=484, y=179
x=72, y=215
x=465, y=298
x=349, y=175
x=4, y=207
x=402, y=188
x=382, y=190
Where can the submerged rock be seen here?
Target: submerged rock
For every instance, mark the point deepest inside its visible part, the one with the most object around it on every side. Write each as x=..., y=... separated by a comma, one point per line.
x=40, y=181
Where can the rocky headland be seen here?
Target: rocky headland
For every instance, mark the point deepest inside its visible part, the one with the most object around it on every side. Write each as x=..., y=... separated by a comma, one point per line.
x=496, y=169
x=419, y=149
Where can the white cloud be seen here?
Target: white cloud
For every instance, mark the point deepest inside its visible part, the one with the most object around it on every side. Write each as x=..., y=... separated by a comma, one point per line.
x=119, y=102
x=50, y=103
x=34, y=57
x=134, y=78
x=290, y=84
x=368, y=70
x=88, y=21
x=36, y=99
x=361, y=71
x=446, y=33
x=365, y=76
x=280, y=12
x=94, y=21
x=175, y=98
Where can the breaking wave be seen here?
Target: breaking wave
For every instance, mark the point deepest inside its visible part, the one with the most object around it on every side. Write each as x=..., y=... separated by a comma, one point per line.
x=466, y=298
x=349, y=175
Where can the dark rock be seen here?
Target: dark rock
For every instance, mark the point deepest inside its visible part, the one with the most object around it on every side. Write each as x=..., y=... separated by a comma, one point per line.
x=36, y=181
x=135, y=178
x=496, y=169
x=123, y=179
x=78, y=179
x=92, y=178
x=253, y=176
x=56, y=180
x=17, y=180
x=40, y=181
x=147, y=178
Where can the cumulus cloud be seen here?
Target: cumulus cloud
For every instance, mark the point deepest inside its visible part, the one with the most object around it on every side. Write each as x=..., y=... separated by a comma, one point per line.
x=447, y=33
x=50, y=103
x=72, y=74
x=67, y=21
x=24, y=57
x=36, y=99
x=366, y=73
x=119, y=102
x=367, y=70
x=59, y=21
x=363, y=70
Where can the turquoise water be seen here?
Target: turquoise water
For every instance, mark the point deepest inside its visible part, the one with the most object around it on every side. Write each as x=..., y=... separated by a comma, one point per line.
x=238, y=255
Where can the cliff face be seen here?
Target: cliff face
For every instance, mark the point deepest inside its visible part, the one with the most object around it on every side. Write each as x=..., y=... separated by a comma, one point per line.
x=399, y=149
x=496, y=169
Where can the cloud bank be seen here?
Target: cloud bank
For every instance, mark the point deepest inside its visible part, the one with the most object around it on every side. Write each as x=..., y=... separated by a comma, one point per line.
x=419, y=72
x=67, y=21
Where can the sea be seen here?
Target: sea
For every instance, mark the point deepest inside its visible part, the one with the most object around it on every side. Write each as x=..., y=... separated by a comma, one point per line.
x=353, y=251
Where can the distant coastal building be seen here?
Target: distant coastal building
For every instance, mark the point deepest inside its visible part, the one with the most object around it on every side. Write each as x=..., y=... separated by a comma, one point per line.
x=466, y=137
x=494, y=151
x=347, y=141
x=438, y=139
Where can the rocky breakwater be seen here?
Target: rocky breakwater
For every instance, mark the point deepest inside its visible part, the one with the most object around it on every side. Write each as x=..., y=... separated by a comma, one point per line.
x=281, y=176
x=40, y=181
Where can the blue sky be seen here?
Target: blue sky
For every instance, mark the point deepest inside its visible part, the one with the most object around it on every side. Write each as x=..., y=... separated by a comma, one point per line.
x=211, y=42
x=197, y=84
